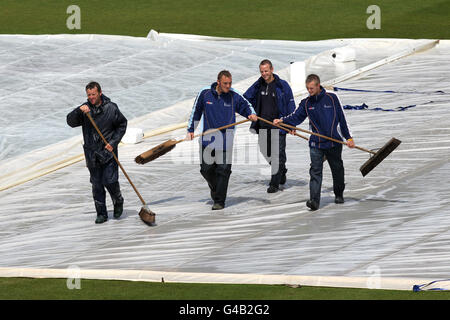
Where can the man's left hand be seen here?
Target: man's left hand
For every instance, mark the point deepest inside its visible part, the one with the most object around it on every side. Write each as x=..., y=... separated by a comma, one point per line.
x=109, y=147
x=350, y=143
x=253, y=117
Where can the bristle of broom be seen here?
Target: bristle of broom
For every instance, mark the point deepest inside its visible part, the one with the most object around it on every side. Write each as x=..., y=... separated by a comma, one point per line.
x=155, y=152
x=381, y=154
x=147, y=216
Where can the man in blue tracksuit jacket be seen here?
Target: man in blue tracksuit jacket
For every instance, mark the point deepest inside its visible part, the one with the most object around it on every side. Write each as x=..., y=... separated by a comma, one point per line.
x=327, y=118
x=272, y=98
x=215, y=107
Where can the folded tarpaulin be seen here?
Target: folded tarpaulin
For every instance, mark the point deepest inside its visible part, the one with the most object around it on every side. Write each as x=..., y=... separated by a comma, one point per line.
x=438, y=285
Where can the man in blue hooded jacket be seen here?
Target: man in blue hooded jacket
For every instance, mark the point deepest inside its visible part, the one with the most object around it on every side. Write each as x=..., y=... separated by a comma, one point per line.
x=326, y=117
x=214, y=107
x=272, y=98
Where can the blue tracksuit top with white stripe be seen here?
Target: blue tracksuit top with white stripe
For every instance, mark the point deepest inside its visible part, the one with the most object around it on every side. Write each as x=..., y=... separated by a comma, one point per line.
x=326, y=116
x=217, y=111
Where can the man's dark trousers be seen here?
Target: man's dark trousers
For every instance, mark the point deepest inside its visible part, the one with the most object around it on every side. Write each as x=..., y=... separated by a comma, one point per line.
x=272, y=145
x=334, y=158
x=215, y=167
x=105, y=176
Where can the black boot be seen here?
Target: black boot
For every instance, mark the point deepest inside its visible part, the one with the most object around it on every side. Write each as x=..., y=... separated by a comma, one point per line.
x=283, y=177
x=339, y=199
x=116, y=197
x=118, y=209
x=101, y=218
x=102, y=213
x=313, y=205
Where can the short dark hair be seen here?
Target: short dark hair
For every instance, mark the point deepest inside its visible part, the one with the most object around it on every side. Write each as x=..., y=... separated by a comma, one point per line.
x=91, y=85
x=223, y=73
x=266, y=61
x=312, y=77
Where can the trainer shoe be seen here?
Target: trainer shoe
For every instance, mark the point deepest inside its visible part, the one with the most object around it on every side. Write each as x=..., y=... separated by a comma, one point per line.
x=118, y=209
x=217, y=206
x=101, y=219
x=312, y=205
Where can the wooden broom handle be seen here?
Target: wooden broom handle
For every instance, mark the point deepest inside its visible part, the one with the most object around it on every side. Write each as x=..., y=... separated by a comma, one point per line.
x=215, y=130
x=115, y=158
x=271, y=123
x=325, y=137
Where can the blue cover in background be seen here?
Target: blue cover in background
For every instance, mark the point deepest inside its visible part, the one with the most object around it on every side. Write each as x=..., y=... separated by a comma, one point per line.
x=437, y=285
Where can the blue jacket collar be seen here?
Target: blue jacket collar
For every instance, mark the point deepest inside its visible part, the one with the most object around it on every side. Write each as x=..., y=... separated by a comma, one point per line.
x=97, y=110
x=213, y=88
x=320, y=95
x=276, y=79
x=214, y=91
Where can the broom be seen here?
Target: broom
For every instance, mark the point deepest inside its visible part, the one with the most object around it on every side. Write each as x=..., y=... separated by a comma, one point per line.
x=374, y=160
x=282, y=128
x=167, y=146
x=146, y=215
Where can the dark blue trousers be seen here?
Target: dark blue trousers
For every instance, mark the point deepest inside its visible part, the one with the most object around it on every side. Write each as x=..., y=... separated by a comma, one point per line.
x=272, y=145
x=215, y=167
x=105, y=176
x=334, y=158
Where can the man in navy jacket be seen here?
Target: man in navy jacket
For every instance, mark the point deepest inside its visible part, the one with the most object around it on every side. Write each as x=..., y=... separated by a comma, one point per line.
x=99, y=159
x=272, y=98
x=326, y=117
x=214, y=107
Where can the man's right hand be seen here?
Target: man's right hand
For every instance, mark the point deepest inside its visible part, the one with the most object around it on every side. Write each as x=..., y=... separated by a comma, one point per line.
x=277, y=121
x=189, y=136
x=85, y=108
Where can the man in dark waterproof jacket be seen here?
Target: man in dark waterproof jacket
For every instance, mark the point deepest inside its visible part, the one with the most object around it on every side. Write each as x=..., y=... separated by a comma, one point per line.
x=272, y=98
x=326, y=117
x=216, y=106
x=102, y=167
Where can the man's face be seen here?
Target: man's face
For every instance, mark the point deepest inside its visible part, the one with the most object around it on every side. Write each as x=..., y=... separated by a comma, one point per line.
x=313, y=88
x=266, y=72
x=224, y=84
x=94, y=96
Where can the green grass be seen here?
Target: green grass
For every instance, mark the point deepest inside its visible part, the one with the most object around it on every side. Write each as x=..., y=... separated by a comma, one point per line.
x=56, y=289
x=262, y=19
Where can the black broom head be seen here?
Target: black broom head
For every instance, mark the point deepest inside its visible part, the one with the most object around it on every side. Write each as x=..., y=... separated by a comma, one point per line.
x=155, y=152
x=381, y=154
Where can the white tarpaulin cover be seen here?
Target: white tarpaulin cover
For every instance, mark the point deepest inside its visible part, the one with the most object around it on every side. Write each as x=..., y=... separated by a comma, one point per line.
x=394, y=224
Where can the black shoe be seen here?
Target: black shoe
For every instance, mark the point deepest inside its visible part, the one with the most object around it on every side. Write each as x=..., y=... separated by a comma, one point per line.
x=283, y=178
x=312, y=205
x=101, y=218
x=118, y=209
x=217, y=206
x=339, y=199
x=272, y=189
